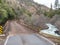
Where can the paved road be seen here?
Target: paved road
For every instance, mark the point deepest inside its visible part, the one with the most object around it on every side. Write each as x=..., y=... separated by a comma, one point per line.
x=16, y=28
x=21, y=36
x=26, y=39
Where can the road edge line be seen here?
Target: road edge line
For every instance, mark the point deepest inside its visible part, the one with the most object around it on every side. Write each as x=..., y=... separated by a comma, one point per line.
x=46, y=39
x=7, y=39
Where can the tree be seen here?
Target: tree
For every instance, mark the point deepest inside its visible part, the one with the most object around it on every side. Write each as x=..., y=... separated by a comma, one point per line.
x=51, y=7
x=6, y=12
x=56, y=3
x=3, y=15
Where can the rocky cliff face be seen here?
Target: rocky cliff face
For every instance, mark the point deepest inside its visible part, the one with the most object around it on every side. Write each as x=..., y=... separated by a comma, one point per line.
x=29, y=5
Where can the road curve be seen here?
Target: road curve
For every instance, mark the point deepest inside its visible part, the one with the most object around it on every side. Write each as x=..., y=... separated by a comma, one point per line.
x=16, y=28
x=19, y=35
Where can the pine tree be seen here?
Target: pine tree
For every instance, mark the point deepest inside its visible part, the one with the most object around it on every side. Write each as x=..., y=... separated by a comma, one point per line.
x=51, y=7
x=56, y=4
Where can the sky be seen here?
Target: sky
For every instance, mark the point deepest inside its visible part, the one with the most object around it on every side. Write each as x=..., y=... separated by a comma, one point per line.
x=46, y=2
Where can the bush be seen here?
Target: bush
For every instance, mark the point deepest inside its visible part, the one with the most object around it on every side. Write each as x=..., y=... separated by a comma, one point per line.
x=57, y=11
x=3, y=15
x=49, y=14
x=6, y=12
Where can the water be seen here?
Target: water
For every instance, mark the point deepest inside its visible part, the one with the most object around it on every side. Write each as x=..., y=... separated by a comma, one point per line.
x=51, y=30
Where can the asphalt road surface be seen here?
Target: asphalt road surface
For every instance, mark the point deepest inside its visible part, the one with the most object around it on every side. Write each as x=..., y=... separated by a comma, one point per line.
x=20, y=35
x=27, y=39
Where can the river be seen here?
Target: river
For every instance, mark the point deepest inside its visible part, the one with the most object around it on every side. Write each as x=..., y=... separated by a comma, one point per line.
x=51, y=30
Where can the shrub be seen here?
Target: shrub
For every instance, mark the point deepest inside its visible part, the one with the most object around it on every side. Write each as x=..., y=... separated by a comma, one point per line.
x=6, y=12
x=49, y=14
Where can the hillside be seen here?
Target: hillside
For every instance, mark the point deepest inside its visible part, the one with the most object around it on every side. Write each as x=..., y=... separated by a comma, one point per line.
x=29, y=11
x=28, y=5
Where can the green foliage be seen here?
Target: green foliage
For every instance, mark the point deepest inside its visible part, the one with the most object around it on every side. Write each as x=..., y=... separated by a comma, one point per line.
x=49, y=14
x=1, y=1
x=11, y=13
x=57, y=12
x=24, y=11
x=3, y=15
x=6, y=12
x=28, y=13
